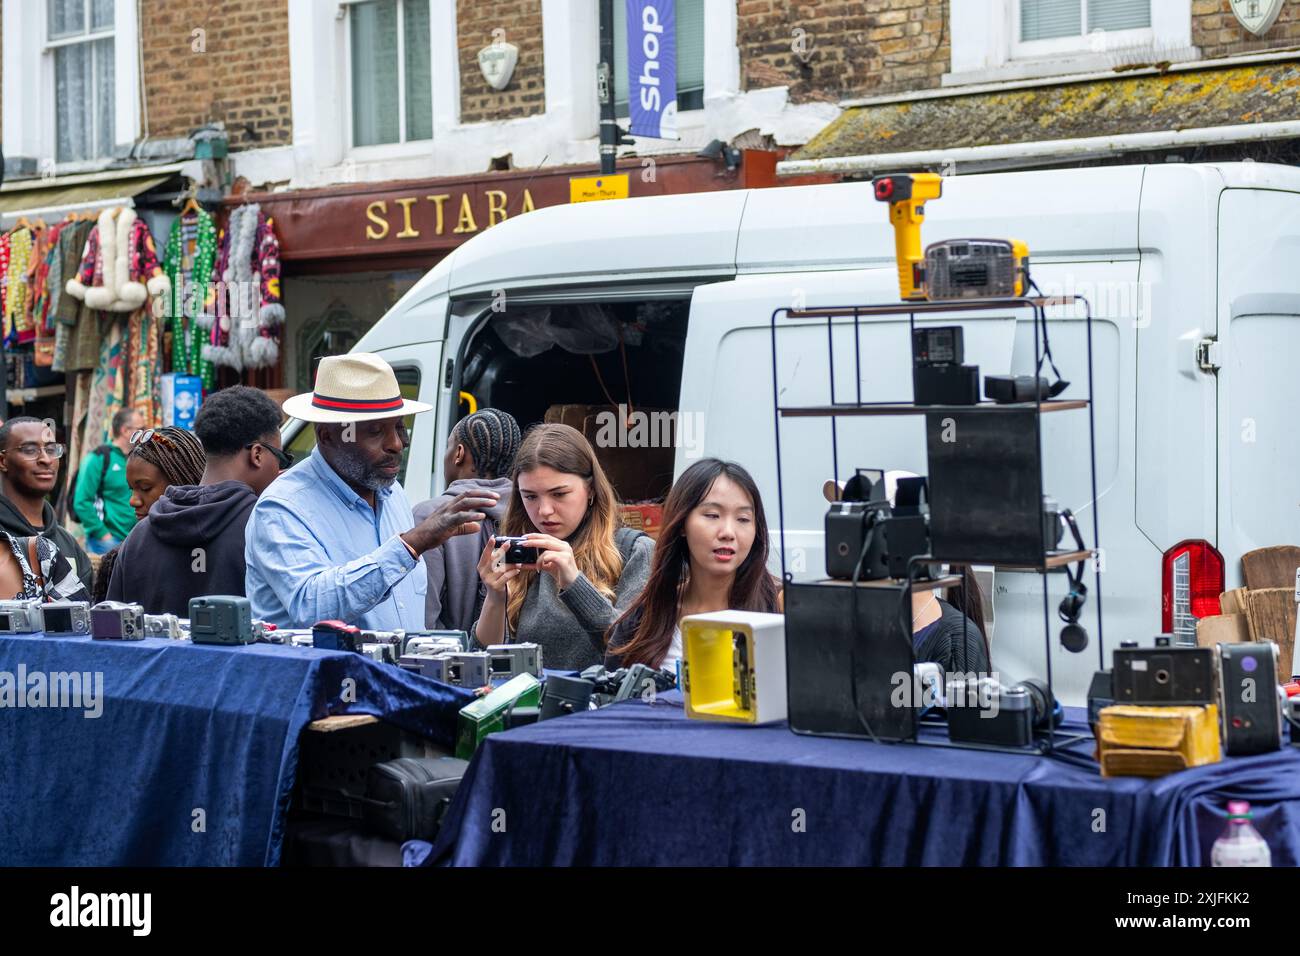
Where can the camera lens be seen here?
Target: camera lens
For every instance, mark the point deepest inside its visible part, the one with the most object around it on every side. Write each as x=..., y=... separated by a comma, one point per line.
x=1162, y=677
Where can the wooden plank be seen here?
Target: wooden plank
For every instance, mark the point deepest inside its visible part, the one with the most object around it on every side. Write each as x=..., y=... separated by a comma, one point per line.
x=341, y=722
x=1271, y=613
x=1233, y=602
x=1270, y=567
x=1222, y=629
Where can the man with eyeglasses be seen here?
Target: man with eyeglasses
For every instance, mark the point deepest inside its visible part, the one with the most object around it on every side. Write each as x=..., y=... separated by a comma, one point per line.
x=102, y=498
x=191, y=543
x=29, y=464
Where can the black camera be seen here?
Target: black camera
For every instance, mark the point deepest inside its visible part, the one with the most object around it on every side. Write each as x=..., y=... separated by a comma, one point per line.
x=984, y=711
x=1167, y=674
x=892, y=536
x=938, y=375
x=1011, y=389
x=517, y=552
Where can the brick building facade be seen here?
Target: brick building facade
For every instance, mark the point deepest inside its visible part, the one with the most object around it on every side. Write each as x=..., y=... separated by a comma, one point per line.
x=834, y=51
x=520, y=23
x=218, y=62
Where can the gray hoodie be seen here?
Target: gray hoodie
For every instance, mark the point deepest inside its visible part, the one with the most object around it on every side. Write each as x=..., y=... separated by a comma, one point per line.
x=455, y=591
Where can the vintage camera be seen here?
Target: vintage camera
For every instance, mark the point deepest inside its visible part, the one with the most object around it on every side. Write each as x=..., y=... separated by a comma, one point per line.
x=517, y=552
x=1167, y=674
x=66, y=618
x=984, y=711
x=381, y=651
x=509, y=660
x=938, y=375
x=433, y=645
x=897, y=534
x=21, y=617
x=221, y=619
x=609, y=687
x=1013, y=389
x=335, y=636
x=462, y=668
x=161, y=625
x=562, y=695
x=424, y=642
x=115, y=621
x=1248, y=698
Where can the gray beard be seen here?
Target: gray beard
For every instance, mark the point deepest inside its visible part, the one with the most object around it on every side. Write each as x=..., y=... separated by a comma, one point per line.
x=357, y=472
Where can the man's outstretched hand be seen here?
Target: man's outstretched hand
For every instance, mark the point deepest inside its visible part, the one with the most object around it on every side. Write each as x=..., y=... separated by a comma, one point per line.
x=459, y=515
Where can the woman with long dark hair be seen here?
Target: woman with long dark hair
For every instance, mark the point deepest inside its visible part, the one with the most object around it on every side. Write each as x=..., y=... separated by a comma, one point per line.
x=711, y=556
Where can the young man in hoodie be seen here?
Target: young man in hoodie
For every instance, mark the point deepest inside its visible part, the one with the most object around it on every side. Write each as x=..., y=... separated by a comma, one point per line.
x=480, y=454
x=29, y=463
x=191, y=543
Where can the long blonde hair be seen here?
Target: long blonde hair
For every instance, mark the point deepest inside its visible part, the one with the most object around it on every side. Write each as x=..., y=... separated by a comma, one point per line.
x=594, y=551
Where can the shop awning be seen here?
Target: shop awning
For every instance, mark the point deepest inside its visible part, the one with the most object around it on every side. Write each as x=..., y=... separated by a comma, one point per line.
x=1095, y=117
x=51, y=198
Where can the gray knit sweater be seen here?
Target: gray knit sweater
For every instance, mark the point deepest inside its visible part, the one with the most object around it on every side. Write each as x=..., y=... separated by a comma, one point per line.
x=570, y=627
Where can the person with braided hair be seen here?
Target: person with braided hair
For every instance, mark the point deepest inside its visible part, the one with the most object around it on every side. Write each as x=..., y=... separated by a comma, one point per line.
x=160, y=458
x=192, y=541
x=480, y=453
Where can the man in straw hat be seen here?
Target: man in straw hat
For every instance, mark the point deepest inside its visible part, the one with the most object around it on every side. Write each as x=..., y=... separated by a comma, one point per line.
x=333, y=538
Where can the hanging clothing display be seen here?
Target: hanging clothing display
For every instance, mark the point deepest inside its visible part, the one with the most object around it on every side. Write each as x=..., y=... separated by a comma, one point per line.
x=119, y=267
x=17, y=319
x=245, y=316
x=188, y=262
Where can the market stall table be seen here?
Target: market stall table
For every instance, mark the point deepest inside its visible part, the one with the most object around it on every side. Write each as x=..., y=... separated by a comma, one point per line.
x=639, y=784
x=188, y=756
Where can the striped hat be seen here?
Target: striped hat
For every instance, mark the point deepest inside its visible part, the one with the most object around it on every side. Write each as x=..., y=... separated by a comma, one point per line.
x=358, y=387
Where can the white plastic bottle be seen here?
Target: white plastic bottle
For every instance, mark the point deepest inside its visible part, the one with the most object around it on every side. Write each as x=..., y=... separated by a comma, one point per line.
x=1240, y=844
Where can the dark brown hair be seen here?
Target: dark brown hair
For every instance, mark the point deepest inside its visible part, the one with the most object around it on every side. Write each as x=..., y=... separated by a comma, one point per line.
x=967, y=598
x=754, y=587
x=565, y=450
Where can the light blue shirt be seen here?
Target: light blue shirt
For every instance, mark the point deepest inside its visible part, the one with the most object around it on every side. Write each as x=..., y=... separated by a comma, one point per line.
x=316, y=551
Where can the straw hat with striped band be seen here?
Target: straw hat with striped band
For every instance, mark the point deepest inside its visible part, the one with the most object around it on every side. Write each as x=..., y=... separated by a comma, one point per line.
x=358, y=387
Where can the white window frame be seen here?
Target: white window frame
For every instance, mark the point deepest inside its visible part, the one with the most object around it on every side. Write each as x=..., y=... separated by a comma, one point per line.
x=986, y=46
x=30, y=119
x=403, y=146
x=1099, y=41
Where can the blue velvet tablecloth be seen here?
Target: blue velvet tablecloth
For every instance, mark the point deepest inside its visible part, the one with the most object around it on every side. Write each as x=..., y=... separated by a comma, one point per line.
x=639, y=784
x=191, y=760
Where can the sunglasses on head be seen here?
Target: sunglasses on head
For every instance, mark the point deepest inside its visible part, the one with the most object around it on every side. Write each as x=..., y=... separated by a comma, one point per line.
x=142, y=435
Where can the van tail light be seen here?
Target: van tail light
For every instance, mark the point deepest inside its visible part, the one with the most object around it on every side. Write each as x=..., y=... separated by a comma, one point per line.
x=1191, y=581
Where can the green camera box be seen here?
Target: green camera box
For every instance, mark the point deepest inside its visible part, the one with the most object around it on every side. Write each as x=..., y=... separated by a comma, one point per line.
x=487, y=715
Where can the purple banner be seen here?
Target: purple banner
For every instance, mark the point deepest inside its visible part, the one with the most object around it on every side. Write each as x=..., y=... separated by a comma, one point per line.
x=652, y=68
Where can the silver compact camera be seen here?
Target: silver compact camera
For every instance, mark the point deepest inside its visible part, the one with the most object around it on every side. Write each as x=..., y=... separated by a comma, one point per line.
x=469, y=669
x=162, y=625
x=511, y=660
x=115, y=621
x=21, y=617
x=66, y=618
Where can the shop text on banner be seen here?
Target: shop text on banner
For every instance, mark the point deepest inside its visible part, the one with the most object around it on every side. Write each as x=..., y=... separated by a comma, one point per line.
x=652, y=68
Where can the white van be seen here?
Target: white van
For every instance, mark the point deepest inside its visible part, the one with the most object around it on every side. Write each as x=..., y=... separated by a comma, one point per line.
x=1194, y=276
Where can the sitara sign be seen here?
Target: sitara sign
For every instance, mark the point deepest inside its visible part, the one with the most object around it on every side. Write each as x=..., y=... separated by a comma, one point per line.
x=415, y=218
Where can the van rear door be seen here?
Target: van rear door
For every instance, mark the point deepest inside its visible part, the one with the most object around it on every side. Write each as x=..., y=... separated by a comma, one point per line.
x=1259, y=388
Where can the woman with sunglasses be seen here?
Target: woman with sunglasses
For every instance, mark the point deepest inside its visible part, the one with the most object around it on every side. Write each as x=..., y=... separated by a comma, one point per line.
x=190, y=540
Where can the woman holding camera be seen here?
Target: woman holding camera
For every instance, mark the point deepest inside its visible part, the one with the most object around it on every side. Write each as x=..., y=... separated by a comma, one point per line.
x=711, y=556
x=585, y=568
